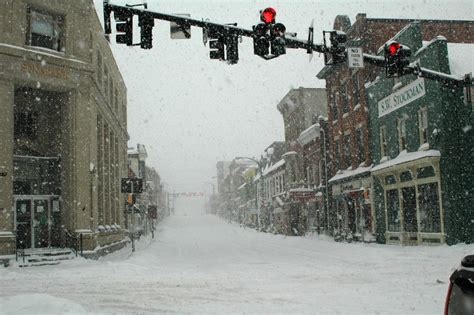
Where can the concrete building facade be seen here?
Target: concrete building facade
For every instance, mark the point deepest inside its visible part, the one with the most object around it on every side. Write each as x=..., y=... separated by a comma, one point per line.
x=63, y=144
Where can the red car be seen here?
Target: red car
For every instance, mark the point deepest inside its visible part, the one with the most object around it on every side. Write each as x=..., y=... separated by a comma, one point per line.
x=460, y=298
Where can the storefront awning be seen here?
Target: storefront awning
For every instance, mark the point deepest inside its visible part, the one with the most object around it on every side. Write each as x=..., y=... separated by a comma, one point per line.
x=406, y=157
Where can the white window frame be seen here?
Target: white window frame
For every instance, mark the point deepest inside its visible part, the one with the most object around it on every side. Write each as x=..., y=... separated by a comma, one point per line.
x=402, y=134
x=383, y=141
x=422, y=120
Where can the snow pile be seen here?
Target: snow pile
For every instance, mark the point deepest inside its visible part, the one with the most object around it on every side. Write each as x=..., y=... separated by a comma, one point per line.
x=36, y=303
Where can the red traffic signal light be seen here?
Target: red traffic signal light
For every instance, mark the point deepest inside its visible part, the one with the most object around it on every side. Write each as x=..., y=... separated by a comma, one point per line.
x=393, y=49
x=268, y=16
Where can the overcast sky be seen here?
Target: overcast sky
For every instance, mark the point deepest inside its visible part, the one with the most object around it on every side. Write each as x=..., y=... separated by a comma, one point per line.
x=191, y=112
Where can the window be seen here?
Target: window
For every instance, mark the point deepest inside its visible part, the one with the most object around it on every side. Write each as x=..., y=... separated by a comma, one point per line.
x=45, y=30
x=347, y=150
x=355, y=89
x=428, y=201
x=402, y=134
x=393, y=210
x=345, y=100
x=99, y=69
x=360, y=145
x=423, y=125
x=26, y=125
x=337, y=153
x=383, y=141
x=335, y=113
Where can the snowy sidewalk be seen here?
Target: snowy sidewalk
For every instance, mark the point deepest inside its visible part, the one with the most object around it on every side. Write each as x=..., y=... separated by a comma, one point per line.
x=198, y=263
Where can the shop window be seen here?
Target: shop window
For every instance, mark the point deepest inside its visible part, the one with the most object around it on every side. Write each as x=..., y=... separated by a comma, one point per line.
x=393, y=210
x=425, y=172
x=383, y=141
x=45, y=29
x=428, y=200
x=26, y=125
x=402, y=134
x=390, y=180
x=423, y=125
x=409, y=209
x=406, y=176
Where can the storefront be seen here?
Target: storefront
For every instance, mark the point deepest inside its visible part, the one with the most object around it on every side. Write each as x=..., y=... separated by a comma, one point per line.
x=412, y=199
x=351, y=204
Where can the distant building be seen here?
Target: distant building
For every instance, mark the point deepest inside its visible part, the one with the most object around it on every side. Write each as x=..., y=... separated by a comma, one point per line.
x=423, y=146
x=300, y=109
x=63, y=127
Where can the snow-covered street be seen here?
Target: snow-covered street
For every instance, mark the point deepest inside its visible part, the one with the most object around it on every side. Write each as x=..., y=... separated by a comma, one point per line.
x=199, y=263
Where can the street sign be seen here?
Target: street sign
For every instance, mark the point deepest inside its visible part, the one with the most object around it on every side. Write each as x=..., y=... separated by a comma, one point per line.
x=132, y=185
x=180, y=31
x=355, y=57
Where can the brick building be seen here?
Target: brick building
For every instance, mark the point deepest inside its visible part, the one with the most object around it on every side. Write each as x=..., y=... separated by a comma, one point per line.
x=351, y=184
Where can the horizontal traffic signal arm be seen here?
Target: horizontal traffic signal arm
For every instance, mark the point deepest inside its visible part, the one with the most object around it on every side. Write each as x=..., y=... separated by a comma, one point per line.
x=290, y=42
x=182, y=20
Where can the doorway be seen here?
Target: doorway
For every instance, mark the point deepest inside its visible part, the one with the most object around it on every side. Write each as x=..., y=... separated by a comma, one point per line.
x=35, y=221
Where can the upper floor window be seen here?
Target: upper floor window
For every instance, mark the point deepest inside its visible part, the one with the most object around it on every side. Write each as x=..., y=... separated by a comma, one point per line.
x=423, y=125
x=334, y=110
x=345, y=100
x=45, y=30
x=355, y=89
x=402, y=134
x=99, y=69
x=383, y=141
x=360, y=145
x=347, y=150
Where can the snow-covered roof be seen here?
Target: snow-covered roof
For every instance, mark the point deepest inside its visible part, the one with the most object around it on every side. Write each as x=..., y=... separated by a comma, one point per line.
x=405, y=157
x=274, y=167
x=279, y=201
x=349, y=173
x=309, y=134
x=461, y=60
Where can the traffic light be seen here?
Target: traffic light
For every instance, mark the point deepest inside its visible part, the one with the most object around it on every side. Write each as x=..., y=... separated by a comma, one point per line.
x=278, y=43
x=124, y=25
x=396, y=59
x=216, y=44
x=232, y=48
x=338, y=48
x=146, y=23
x=131, y=199
x=267, y=16
x=260, y=40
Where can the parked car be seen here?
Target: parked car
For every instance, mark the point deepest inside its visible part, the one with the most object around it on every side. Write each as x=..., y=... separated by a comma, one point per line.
x=460, y=297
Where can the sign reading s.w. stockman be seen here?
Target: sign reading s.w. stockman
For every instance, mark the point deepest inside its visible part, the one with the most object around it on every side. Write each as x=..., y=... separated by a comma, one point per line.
x=402, y=97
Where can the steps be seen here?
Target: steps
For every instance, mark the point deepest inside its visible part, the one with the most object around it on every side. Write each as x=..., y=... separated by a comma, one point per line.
x=44, y=256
